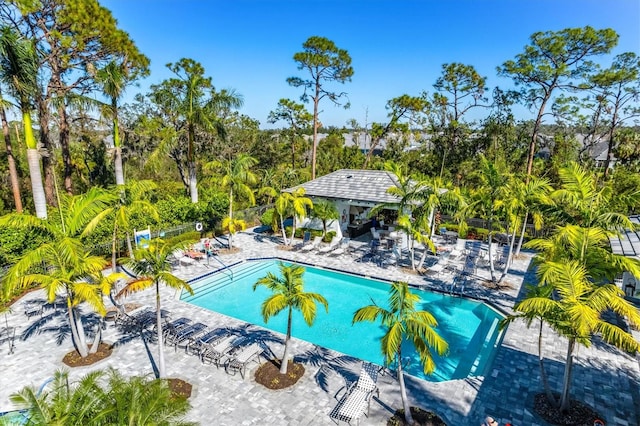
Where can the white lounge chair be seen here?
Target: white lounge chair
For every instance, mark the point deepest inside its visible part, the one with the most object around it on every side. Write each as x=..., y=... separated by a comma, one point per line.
x=312, y=245
x=357, y=399
x=335, y=241
x=240, y=360
x=215, y=353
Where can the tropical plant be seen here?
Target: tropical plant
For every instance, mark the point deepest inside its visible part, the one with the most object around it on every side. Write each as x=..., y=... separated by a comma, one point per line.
x=102, y=398
x=292, y=203
x=63, y=265
x=113, y=79
x=152, y=267
x=237, y=180
x=194, y=104
x=130, y=200
x=486, y=199
x=288, y=294
x=19, y=72
x=325, y=211
x=575, y=310
x=403, y=322
x=11, y=161
x=231, y=226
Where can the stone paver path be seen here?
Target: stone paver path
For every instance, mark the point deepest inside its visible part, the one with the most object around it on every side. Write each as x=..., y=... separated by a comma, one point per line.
x=603, y=377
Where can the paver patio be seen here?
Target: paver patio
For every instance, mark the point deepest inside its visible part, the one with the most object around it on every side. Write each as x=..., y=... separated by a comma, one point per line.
x=604, y=377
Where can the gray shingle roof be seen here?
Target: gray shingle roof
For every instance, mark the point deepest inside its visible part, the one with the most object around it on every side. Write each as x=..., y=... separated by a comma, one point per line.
x=629, y=244
x=357, y=185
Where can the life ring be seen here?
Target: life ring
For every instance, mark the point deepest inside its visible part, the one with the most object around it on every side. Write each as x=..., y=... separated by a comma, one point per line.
x=198, y=226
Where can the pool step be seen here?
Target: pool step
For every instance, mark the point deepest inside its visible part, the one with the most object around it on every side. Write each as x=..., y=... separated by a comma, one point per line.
x=486, y=354
x=223, y=278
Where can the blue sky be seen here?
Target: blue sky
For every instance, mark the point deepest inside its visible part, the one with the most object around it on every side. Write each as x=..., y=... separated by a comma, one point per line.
x=397, y=47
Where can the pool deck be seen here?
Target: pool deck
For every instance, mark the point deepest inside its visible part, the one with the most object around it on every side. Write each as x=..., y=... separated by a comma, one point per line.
x=604, y=377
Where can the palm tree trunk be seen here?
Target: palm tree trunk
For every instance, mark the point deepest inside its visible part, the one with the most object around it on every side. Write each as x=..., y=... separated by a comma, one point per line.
x=284, y=232
x=113, y=249
x=96, y=340
x=39, y=201
x=118, y=166
x=118, y=153
x=161, y=367
x=129, y=247
x=285, y=356
x=507, y=262
x=193, y=182
x=403, y=393
x=566, y=382
x=543, y=372
x=524, y=228
x=293, y=230
x=491, y=265
x=13, y=171
x=77, y=329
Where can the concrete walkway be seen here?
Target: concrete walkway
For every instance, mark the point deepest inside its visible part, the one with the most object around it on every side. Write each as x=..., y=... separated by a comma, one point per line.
x=604, y=377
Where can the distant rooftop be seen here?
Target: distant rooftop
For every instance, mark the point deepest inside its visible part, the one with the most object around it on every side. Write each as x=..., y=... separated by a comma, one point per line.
x=629, y=243
x=349, y=184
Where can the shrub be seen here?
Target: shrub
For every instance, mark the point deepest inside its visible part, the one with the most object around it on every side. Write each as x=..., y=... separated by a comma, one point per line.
x=268, y=217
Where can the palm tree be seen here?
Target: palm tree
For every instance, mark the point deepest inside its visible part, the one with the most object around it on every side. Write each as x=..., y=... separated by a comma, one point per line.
x=237, y=179
x=113, y=79
x=192, y=97
x=130, y=199
x=140, y=401
x=63, y=265
x=575, y=311
x=19, y=71
x=403, y=322
x=486, y=200
x=102, y=398
x=294, y=203
x=152, y=267
x=325, y=211
x=232, y=226
x=288, y=294
x=11, y=161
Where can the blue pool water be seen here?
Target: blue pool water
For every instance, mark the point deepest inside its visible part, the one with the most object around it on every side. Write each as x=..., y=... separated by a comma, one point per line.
x=470, y=327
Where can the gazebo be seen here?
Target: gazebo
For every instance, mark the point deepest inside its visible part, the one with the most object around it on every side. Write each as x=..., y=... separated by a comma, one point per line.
x=354, y=193
x=628, y=244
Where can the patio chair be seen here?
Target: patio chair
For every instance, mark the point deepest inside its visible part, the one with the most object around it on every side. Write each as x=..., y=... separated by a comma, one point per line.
x=356, y=400
x=239, y=360
x=215, y=353
x=335, y=241
x=306, y=239
x=313, y=244
x=184, y=334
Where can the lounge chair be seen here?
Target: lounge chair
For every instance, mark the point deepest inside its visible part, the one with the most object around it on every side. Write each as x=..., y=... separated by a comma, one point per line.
x=172, y=328
x=342, y=248
x=185, y=333
x=215, y=353
x=197, y=344
x=335, y=241
x=357, y=399
x=306, y=239
x=240, y=359
x=313, y=244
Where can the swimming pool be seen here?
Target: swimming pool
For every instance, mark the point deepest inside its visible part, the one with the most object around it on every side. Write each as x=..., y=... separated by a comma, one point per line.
x=470, y=327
